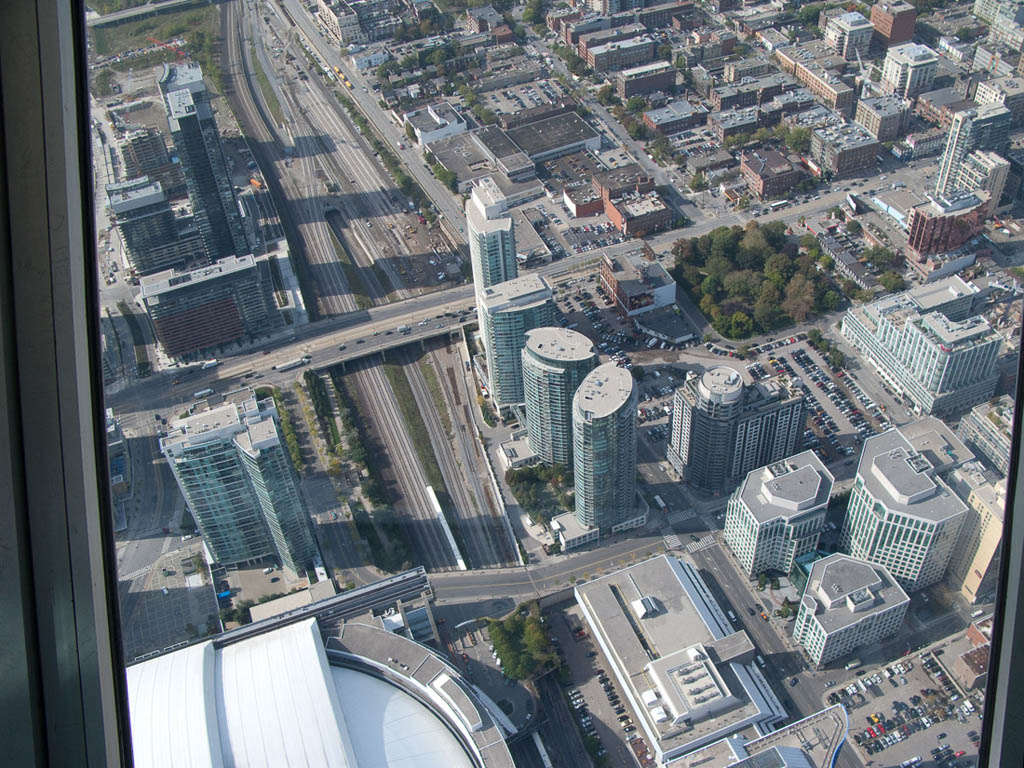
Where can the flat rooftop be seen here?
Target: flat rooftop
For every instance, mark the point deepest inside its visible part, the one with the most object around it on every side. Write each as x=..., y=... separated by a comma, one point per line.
x=842, y=591
x=914, y=54
x=788, y=488
x=545, y=136
x=559, y=344
x=172, y=280
x=813, y=741
x=675, y=110
x=931, y=295
x=634, y=272
x=127, y=196
x=663, y=631
x=900, y=469
x=517, y=293
x=604, y=391
x=885, y=106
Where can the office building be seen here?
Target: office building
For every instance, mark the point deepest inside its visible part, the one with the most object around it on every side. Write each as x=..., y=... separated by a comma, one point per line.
x=203, y=309
x=197, y=143
x=604, y=447
x=941, y=365
x=849, y=34
x=234, y=470
x=361, y=689
x=974, y=566
x=148, y=228
x=986, y=430
x=909, y=69
x=491, y=234
x=847, y=604
x=621, y=54
x=902, y=513
x=509, y=310
x=555, y=361
x=986, y=127
x=893, y=22
x=434, y=122
x=884, y=117
x=723, y=428
x=778, y=513
x=691, y=679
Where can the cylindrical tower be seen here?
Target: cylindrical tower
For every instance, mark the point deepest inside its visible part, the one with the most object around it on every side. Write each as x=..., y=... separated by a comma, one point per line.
x=555, y=362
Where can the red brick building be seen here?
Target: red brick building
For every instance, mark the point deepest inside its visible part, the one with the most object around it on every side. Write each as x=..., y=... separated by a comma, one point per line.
x=939, y=227
x=638, y=215
x=893, y=22
x=768, y=173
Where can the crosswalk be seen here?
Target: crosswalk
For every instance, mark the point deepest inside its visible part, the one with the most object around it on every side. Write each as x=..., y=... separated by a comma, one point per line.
x=680, y=516
x=703, y=543
x=671, y=539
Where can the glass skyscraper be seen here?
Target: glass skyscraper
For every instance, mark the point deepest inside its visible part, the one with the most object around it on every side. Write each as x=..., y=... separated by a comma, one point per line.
x=233, y=469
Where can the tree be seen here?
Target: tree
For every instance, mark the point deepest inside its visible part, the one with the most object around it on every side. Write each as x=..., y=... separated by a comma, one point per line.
x=799, y=298
x=740, y=326
x=808, y=15
x=636, y=104
x=831, y=300
x=836, y=358
x=892, y=281
x=799, y=139
x=853, y=227
x=699, y=182
x=606, y=96
x=665, y=52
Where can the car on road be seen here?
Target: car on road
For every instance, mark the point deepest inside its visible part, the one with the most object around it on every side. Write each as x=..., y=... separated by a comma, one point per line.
x=793, y=681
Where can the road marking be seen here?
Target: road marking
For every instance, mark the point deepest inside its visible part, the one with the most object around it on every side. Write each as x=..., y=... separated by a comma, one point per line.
x=680, y=516
x=703, y=543
x=671, y=539
x=136, y=574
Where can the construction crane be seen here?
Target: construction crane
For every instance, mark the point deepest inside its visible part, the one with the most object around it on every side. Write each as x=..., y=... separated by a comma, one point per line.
x=171, y=46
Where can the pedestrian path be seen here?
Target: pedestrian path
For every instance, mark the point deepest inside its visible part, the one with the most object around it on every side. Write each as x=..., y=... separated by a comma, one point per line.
x=703, y=543
x=671, y=539
x=136, y=574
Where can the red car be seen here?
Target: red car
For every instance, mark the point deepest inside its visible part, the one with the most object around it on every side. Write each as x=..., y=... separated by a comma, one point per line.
x=961, y=753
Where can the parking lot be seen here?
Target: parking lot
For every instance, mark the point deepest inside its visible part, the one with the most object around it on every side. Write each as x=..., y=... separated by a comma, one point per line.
x=594, y=696
x=588, y=237
x=911, y=709
x=473, y=653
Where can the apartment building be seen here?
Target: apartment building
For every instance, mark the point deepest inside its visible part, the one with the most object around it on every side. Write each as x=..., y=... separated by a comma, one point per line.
x=909, y=69
x=884, y=117
x=840, y=151
x=893, y=22
x=986, y=430
x=849, y=34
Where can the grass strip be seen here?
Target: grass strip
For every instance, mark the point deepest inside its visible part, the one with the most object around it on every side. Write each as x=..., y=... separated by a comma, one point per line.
x=269, y=97
x=434, y=385
x=356, y=285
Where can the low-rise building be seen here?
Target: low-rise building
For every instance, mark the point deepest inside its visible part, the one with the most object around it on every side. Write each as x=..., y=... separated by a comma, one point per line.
x=438, y=121
x=369, y=58
x=970, y=668
x=846, y=263
x=735, y=71
x=840, y=151
x=750, y=91
x=923, y=144
x=734, y=122
x=884, y=117
x=778, y=513
x=636, y=283
x=621, y=54
x=819, y=68
x=768, y=173
x=674, y=117
x=941, y=106
x=639, y=214
x=616, y=182
x=659, y=628
x=847, y=604
x=656, y=76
